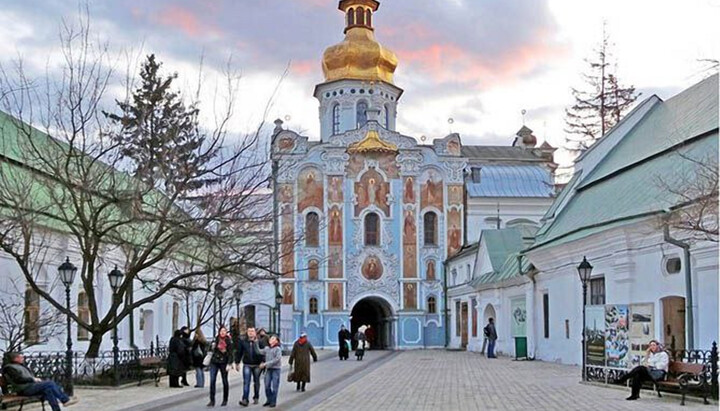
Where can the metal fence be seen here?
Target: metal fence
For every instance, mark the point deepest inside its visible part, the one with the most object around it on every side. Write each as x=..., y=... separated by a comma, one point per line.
x=91, y=371
x=709, y=358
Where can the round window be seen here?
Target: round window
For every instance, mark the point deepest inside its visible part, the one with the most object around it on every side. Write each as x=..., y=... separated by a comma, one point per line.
x=673, y=265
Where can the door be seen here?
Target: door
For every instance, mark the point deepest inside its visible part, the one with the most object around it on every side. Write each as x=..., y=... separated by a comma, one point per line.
x=674, y=322
x=464, y=326
x=148, y=327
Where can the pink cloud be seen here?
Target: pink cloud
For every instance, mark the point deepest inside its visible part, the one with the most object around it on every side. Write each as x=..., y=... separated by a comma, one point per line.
x=181, y=18
x=305, y=67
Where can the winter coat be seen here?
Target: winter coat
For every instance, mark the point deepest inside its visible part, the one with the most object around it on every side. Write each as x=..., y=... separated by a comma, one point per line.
x=177, y=355
x=490, y=332
x=18, y=376
x=343, y=338
x=221, y=358
x=300, y=358
x=361, y=341
x=249, y=354
x=197, y=360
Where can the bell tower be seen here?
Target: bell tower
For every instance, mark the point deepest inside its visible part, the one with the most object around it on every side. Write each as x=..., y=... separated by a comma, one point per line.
x=358, y=72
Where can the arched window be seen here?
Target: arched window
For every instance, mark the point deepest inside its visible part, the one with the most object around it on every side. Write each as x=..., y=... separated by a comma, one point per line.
x=313, y=270
x=313, y=305
x=430, y=228
x=361, y=114
x=368, y=18
x=372, y=229
x=387, y=116
x=431, y=305
x=83, y=312
x=360, y=16
x=312, y=230
x=351, y=17
x=32, y=315
x=336, y=118
x=175, y=316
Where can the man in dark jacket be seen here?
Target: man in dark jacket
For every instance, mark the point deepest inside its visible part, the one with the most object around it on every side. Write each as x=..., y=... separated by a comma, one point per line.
x=491, y=335
x=24, y=382
x=187, y=358
x=249, y=352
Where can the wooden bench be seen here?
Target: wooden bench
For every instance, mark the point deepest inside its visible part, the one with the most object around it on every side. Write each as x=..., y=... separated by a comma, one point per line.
x=152, y=366
x=11, y=400
x=684, y=378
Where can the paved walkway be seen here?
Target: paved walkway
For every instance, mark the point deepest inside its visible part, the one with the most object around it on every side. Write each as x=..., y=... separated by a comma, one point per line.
x=442, y=380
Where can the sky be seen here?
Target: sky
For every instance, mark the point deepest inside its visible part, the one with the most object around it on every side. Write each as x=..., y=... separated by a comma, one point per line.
x=477, y=62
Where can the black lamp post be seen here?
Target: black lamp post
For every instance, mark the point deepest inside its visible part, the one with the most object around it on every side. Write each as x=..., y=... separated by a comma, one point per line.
x=116, y=278
x=219, y=291
x=584, y=271
x=278, y=301
x=67, y=275
x=237, y=294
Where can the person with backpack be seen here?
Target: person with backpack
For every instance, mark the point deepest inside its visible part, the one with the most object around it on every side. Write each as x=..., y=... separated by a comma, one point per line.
x=491, y=335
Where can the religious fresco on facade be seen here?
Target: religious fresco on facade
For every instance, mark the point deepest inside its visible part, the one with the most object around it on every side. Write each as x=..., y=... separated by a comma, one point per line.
x=642, y=330
x=410, y=296
x=287, y=241
x=287, y=293
x=409, y=245
x=454, y=233
x=430, y=270
x=285, y=193
x=617, y=345
x=595, y=331
x=431, y=191
x=372, y=268
x=388, y=165
x=453, y=147
x=372, y=189
x=335, y=190
x=310, y=189
x=355, y=165
x=335, y=226
x=409, y=190
x=313, y=270
x=455, y=195
x=336, y=296
x=286, y=144
x=335, y=262
x=518, y=315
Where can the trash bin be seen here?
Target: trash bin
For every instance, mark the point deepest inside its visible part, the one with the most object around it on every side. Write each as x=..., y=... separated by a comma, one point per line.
x=520, y=348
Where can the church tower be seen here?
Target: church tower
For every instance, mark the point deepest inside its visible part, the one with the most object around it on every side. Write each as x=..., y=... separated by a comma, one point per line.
x=358, y=71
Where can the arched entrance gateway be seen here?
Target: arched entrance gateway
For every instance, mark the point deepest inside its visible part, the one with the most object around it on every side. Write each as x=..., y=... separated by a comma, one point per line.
x=377, y=313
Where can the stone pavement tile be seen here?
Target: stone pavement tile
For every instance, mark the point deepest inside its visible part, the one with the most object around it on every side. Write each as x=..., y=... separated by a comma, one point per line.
x=109, y=399
x=442, y=380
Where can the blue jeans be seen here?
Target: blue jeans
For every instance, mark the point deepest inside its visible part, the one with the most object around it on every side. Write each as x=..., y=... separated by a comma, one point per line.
x=214, y=368
x=491, y=349
x=249, y=371
x=199, y=377
x=48, y=391
x=272, y=383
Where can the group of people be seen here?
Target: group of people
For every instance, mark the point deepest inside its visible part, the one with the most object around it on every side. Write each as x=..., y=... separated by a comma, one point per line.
x=362, y=337
x=255, y=353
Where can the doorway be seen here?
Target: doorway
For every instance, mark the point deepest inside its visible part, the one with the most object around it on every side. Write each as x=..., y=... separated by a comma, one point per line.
x=674, y=322
x=464, y=326
x=377, y=313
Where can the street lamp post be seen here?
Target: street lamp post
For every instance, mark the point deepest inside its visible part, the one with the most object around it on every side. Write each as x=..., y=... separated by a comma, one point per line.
x=67, y=275
x=116, y=278
x=584, y=271
x=278, y=301
x=219, y=290
x=237, y=294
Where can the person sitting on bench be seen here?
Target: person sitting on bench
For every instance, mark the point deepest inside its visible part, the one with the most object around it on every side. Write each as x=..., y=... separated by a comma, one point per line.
x=654, y=368
x=26, y=384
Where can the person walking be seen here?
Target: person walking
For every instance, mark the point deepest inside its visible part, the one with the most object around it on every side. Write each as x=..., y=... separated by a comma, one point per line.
x=344, y=337
x=272, y=365
x=361, y=343
x=300, y=359
x=24, y=382
x=187, y=357
x=198, y=352
x=491, y=335
x=177, y=353
x=219, y=362
x=248, y=351
x=654, y=367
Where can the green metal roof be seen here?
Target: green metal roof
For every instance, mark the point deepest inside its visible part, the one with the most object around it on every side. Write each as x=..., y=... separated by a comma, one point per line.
x=500, y=243
x=510, y=269
x=627, y=182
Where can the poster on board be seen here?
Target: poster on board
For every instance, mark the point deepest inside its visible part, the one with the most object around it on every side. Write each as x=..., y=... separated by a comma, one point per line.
x=617, y=345
x=595, y=332
x=642, y=330
x=519, y=317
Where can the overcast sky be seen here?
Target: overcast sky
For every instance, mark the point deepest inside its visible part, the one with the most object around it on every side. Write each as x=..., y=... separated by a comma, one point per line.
x=479, y=62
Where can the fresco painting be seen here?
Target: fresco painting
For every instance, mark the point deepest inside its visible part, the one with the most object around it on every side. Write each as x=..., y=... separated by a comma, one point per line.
x=310, y=189
x=409, y=190
x=431, y=191
x=372, y=190
x=336, y=296
x=372, y=268
x=410, y=296
x=335, y=190
x=454, y=233
x=335, y=226
x=335, y=262
x=287, y=241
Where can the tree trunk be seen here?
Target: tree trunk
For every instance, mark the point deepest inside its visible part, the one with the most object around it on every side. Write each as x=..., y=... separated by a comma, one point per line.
x=94, y=347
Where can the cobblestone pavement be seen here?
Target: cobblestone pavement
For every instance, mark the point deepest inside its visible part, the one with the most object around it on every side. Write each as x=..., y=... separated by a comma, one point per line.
x=442, y=380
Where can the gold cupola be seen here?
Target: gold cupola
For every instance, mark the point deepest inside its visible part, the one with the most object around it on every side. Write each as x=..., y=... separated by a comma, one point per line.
x=359, y=56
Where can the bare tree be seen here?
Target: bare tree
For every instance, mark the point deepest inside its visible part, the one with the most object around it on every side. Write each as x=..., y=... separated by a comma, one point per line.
x=78, y=192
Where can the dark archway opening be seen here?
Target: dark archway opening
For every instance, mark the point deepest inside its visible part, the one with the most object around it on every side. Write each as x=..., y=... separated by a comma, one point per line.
x=376, y=313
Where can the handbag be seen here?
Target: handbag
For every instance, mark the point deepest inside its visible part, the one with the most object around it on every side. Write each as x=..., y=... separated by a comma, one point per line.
x=209, y=355
x=291, y=374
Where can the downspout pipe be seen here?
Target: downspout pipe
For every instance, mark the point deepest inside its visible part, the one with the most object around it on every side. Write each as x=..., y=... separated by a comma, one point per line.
x=445, y=305
x=689, y=317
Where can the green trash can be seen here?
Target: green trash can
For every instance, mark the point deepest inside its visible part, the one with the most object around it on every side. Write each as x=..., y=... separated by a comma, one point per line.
x=521, y=348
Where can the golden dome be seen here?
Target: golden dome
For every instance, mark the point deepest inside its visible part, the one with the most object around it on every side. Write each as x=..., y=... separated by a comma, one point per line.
x=359, y=56
x=372, y=143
